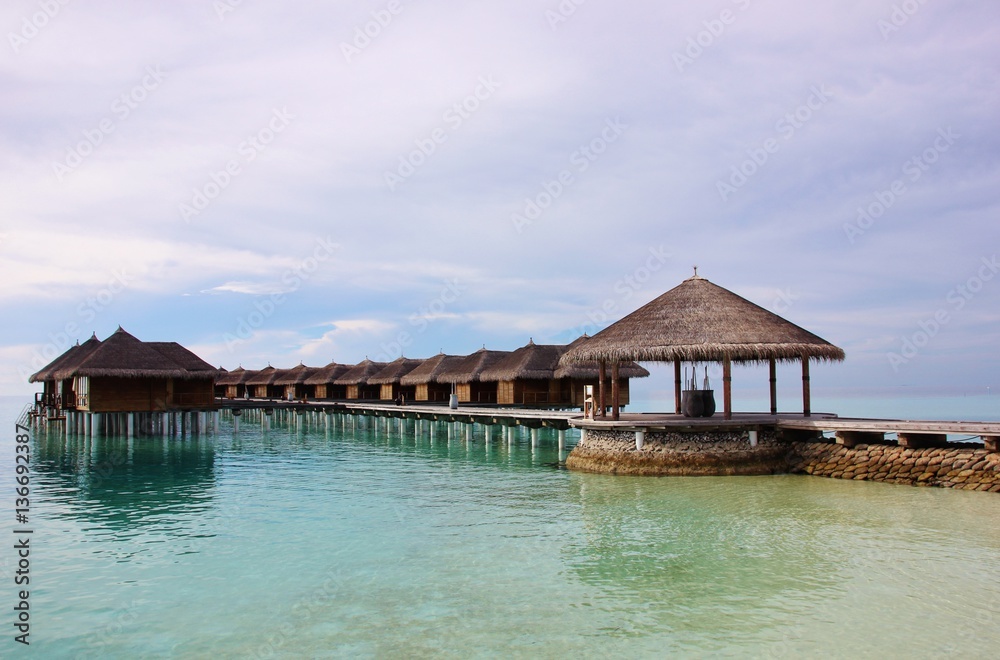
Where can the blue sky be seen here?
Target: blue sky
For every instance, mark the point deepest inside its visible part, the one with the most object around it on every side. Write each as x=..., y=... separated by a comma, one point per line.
x=303, y=181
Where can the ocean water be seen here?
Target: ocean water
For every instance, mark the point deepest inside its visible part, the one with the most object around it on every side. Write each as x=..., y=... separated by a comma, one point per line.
x=326, y=543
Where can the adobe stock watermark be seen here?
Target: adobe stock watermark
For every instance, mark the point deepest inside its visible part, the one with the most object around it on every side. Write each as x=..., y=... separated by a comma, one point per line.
x=225, y=7
x=202, y=196
x=579, y=162
x=913, y=168
x=955, y=300
x=785, y=127
x=453, y=118
x=291, y=281
x=365, y=35
x=706, y=38
x=121, y=109
x=563, y=12
x=899, y=16
x=422, y=319
x=626, y=287
x=86, y=312
x=32, y=26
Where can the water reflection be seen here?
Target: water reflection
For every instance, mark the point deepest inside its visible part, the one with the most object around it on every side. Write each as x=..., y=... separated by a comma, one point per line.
x=126, y=483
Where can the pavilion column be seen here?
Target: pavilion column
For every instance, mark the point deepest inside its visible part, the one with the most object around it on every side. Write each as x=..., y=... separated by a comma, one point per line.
x=600, y=387
x=727, y=388
x=615, y=393
x=677, y=386
x=774, y=387
x=805, y=387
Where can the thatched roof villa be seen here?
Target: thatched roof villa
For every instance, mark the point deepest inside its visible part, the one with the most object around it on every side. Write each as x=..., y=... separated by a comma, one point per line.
x=388, y=379
x=465, y=375
x=356, y=378
x=323, y=380
x=425, y=378
x=528, y=376
x=58, y=393
x=124, y=374
x=261, y=383
x=293, y=382
x=234, y=382
x=698, y=321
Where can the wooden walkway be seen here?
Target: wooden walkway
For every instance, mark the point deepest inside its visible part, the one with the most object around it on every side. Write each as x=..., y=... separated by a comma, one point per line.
x=492, y=416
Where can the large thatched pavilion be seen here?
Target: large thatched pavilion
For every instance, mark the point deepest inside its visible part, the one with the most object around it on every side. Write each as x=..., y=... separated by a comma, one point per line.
x=698, y=321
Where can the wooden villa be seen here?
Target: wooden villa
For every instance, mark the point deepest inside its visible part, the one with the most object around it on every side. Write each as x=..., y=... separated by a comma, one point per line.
x=124, y=374
x=698, y=321
x=261, y=384
x=355, y=380
x=292, y=382
x=464, y=376
x=388, y=379
x=58, y=394
x=233, y=384
x=323, y=380
x=425, y=378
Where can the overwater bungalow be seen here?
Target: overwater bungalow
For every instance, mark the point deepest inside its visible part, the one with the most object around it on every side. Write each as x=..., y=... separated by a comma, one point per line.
x=425, y=378
x=293, y=382
x=465, y=374
x=388, y=379
x=58, y=393
x=355, y=380
x=698, y=321
x=261, y=384
x=323, y=381
x=124, y=374
x=233, y=383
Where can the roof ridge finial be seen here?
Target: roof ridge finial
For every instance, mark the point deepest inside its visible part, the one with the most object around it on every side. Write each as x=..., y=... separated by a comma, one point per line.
x=696, y=270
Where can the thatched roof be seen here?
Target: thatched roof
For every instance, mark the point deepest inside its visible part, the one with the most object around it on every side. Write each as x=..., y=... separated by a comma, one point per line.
x=533, y=361
x=328, y=374
x=592, y=370
x=469, y=368
x=265, y=376
x=123, y=356
x=431, y=369
x=73, y=356
x=237, y=376
x=394, y=371
x=700, y=321
x=184, y=357
x=360, y=373
x=295, y=375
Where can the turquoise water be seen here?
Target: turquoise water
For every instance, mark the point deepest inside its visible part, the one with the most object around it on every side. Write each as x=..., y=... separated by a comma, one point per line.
x=308, y=543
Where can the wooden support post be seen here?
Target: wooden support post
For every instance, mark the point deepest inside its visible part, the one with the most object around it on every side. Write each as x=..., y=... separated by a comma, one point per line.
x=806, y=406
x=727, y=388
x=615, y=393
x=600, y=388
x=992, y=443
x=677, y=387
x=774, y=386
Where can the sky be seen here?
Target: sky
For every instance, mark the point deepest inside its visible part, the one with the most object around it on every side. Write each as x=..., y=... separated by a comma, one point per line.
x=275, y=183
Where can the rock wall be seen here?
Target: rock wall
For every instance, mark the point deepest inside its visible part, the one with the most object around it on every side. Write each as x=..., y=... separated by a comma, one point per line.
x=954, y=466
x=710, y=453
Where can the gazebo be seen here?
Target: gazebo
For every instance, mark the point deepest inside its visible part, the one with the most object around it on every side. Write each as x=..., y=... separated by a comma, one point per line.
x=698, y=321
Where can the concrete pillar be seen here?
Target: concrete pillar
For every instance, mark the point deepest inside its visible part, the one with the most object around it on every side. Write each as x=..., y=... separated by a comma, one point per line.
x=468, y=432
x=88, y=424
x=534, y=438
x=562, y=439
x=130, y=420
x=489, y=434
x=640, y=439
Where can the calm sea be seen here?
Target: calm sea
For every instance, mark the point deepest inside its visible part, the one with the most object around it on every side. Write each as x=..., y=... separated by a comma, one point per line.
x=316, y=543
